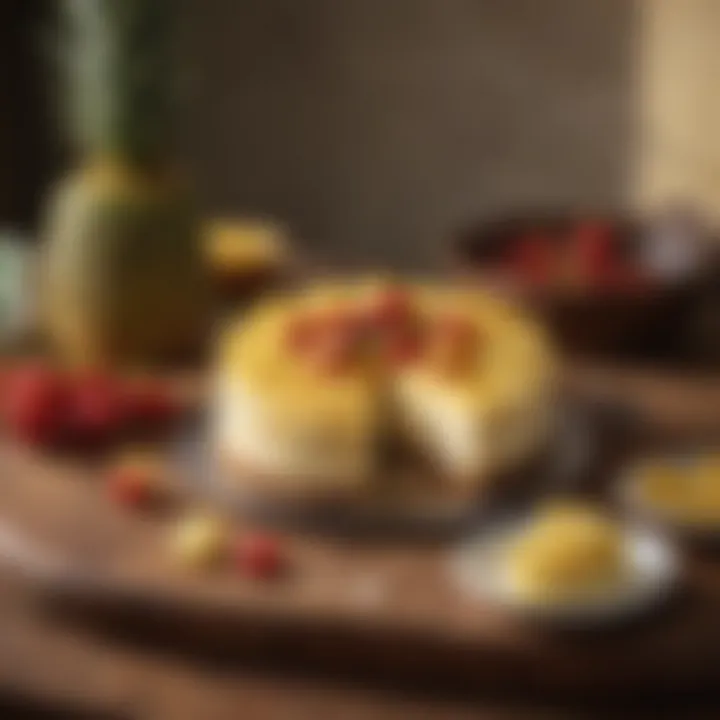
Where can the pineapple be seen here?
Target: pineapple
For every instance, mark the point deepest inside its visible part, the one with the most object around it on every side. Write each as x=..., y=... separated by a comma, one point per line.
x=124, y=278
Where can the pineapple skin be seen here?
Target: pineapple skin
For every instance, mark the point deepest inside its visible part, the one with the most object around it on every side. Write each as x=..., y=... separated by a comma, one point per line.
x=124, y=279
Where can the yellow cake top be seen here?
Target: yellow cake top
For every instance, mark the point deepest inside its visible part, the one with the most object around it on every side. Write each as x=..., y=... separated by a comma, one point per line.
x=463, y=342
x=253, y=353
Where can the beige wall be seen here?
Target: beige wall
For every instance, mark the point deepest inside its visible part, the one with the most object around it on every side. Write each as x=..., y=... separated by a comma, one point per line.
x=679, y=97
x=375, y=126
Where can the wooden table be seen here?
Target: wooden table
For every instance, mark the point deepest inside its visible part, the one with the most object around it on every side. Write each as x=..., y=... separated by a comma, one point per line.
x=58, y=672
x=61, y=671
x=62, y=666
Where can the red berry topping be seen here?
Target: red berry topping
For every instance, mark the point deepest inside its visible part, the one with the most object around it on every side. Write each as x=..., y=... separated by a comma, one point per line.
x=307, y=331
x=259, y=556
x=454, y=342
x=332, y=342
x=342, y=324
x=403, y=347
x=331, y=354
x=36, y=405
x=390, y=307
x=301, y=332
x=458, y=330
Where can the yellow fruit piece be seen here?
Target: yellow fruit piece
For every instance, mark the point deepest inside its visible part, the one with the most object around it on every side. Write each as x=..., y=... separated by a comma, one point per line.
x=664, y=485
x=244, y=245
x=707, y=470
x=199, y=541
x=690, y=494
x=149, y=463
x=568, y=550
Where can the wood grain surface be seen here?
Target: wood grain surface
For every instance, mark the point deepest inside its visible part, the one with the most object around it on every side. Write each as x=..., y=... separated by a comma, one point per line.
x=351, y=608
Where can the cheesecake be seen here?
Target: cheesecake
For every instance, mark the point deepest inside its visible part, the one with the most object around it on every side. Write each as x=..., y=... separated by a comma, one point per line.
x=312, y=387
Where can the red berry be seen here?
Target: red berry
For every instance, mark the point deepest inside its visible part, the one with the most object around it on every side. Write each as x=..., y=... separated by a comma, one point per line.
x=335, y=342
x=454, y=343
x=305, y=332
x=131, y=487
x=594, y=248
x=390, y=307
x=533, y=259
x=137, y=478
x=259, y=556
x=458, y=330
x=301, y=332
x=403, y=347
x=96, y=411
x=36, y=404
x=331, y=354
x=341, y=325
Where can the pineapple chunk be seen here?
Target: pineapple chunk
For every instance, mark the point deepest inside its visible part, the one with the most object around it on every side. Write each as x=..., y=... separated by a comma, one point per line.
x=244, y=245
x=569, y=550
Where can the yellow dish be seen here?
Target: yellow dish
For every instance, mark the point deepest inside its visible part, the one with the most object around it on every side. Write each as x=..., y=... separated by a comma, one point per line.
x=686, y=493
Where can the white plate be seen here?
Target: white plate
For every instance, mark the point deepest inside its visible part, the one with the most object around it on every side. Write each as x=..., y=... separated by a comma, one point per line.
x=480, y=569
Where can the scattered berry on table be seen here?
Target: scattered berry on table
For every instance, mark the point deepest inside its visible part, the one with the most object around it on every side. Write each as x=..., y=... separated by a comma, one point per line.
x=199, y=541
x=259, y=556
x=137, y=479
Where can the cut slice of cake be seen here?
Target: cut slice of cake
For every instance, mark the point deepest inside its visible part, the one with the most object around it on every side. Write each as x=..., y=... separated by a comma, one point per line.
x=481, y=398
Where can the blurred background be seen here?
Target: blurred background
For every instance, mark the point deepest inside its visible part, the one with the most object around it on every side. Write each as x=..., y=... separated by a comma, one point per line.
x=373, y=128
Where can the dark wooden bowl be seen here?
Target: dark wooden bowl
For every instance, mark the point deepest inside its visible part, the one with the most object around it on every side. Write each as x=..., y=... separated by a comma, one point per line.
x=654, y=322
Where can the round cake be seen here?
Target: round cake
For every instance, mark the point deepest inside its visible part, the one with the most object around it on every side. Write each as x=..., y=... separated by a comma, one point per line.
x=315, y=385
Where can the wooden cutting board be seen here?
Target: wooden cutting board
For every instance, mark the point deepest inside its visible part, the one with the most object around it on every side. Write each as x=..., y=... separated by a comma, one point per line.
x=377, y=609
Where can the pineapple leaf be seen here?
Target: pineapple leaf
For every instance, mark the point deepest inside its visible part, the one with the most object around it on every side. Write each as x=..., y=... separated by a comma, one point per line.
x=119, y=69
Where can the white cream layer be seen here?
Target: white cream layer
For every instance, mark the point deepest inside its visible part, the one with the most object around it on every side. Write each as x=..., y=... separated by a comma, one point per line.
x=466, y=441
x=294, y=453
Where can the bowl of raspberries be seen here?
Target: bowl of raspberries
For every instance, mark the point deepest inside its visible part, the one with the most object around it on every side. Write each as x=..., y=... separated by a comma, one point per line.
x=604, y=284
